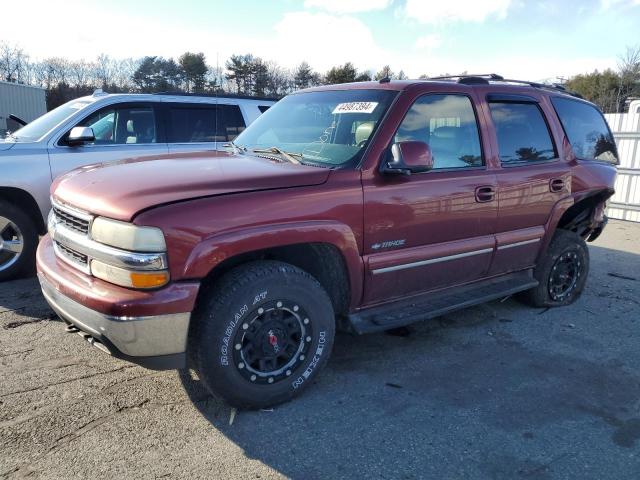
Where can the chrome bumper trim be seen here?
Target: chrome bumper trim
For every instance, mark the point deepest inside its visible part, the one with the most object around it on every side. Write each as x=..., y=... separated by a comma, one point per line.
x=104, y=253
x=133, y=336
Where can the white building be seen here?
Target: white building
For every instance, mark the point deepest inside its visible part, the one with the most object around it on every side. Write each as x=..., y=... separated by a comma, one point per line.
x=24, y=101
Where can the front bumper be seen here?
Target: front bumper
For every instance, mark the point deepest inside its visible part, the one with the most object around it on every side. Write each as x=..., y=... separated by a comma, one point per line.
x=148, y=328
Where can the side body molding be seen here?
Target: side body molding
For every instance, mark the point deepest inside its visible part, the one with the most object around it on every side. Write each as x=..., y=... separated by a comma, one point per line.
x=212, y=251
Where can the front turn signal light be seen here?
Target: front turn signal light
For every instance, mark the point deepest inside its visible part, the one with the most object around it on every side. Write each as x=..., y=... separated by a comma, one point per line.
x=149, y=279
x=128, y=278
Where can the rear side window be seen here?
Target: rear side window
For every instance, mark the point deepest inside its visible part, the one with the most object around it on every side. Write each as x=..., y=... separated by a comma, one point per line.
x=523, y=135
x=230, y=120
x=586, y=130
x=447, y=123
x=191, y=124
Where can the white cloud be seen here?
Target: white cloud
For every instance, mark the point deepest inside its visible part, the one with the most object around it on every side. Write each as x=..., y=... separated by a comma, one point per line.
x=428, y=42
x=606, y=4
x=455, y=10
x=327, y=40
x=348, y=6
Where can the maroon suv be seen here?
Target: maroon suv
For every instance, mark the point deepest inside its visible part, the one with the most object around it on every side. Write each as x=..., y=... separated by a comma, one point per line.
x=359, y=207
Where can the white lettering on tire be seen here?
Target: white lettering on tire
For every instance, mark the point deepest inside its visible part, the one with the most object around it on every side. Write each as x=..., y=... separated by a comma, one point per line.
x=314, y=362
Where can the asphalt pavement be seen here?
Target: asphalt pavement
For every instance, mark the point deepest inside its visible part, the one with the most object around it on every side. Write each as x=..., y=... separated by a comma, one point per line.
x=499, y=391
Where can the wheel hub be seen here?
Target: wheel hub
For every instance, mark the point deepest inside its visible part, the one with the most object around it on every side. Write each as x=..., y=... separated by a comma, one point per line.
x=273, y=342
x=11, y=243
x=564, y=276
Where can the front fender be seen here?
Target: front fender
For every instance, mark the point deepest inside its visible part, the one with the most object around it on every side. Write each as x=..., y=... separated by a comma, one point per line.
x=215, y=249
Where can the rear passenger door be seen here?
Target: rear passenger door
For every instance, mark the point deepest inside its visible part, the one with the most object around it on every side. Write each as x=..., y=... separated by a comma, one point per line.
x=531, y=176
x=201, y=126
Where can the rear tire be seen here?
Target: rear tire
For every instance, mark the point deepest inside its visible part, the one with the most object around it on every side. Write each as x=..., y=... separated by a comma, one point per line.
x=18, y=242
x=261, y=334
x=561, y=273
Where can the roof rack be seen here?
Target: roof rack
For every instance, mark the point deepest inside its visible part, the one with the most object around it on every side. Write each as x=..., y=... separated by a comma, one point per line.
x=218, y=95
x=486, y=78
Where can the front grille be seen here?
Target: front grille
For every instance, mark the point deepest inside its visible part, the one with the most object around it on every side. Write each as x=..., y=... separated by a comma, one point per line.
x=73, y=256
x=73, y=222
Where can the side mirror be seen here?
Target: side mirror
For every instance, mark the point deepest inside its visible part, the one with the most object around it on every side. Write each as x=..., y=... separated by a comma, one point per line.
x=80, y=135
x=409, y=157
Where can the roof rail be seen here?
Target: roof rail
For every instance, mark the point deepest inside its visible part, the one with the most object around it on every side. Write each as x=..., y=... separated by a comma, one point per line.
x=486, y=78
x=218, y=95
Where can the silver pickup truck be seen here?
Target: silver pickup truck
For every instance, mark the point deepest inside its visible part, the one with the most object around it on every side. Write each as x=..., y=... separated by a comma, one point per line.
x=97, y=129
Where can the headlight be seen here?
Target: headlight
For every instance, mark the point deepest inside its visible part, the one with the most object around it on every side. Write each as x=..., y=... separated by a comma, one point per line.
x=127, y=236
x=128, y=278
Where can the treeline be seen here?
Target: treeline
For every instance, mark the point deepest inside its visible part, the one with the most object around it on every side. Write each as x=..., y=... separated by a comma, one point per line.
x=247, y=74
x=611, y=89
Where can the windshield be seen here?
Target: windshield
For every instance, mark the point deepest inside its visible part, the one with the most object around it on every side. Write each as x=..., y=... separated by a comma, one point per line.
x=34, y=131
x=326, y=127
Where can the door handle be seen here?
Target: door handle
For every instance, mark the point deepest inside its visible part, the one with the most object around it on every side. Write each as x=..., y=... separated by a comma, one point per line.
x=556, y=184
x=485, y=194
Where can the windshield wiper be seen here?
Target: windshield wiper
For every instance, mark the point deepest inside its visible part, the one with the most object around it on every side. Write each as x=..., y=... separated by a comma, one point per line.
x=290, y=156
x=236, y=147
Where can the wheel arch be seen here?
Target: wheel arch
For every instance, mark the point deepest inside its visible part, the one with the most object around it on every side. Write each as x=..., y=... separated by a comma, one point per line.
x=326, y=251
x=25, y=201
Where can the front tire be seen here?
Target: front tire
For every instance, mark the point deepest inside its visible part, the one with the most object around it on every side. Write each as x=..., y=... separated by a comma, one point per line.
x=261, y=334
x=561, y=273
x=18, y=242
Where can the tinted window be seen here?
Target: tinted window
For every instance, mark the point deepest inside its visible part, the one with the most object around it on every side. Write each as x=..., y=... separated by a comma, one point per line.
x=448, y=124
x=263, y=108
x=122, y=125
x=192, y=124
x=586, y=129
x=522, y=133
x=232, y=121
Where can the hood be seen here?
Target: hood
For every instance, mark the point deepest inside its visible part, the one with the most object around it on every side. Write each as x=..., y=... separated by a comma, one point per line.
x=6, y=145
x=119, y=190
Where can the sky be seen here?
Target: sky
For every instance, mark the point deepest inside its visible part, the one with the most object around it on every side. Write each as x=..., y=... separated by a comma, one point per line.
x=515, y=38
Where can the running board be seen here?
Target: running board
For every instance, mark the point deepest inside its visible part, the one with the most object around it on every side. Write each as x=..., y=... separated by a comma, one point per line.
x=406, y=311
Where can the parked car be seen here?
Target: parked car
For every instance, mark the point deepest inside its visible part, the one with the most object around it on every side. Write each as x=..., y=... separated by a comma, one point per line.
x=96, y=129
x=359, y=207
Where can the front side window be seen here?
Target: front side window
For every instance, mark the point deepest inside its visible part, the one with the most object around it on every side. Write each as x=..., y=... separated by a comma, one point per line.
x=522, y=133
x=586, y=130
x=122, y=125
x=329, y=128
x=447, y=123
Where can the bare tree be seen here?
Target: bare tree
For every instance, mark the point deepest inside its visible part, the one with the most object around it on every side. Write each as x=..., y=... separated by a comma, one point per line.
x=13, y=63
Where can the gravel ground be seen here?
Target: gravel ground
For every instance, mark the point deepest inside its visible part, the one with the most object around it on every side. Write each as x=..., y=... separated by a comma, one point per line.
x=499, y=391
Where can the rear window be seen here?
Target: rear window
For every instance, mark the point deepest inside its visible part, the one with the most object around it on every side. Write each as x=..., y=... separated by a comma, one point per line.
x=586, y=130
x=523, y=135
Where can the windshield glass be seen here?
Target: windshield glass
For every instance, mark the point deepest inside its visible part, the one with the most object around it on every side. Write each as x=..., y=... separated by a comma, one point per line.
x=327, y=127
x=34, y=131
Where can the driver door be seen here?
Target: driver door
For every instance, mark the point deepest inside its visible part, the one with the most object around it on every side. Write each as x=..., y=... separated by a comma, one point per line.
x=436, y=229
x=121, y=131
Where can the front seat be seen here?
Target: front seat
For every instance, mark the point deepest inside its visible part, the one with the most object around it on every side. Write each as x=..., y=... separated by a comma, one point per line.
x=363, y=132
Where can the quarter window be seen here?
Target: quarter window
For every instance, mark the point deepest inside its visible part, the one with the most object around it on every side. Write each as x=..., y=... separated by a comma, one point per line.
x=586, y=130
x=523, y=135
x=447, y=123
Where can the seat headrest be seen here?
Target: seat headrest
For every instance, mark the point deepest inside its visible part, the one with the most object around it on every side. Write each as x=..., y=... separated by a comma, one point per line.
x=363, y=131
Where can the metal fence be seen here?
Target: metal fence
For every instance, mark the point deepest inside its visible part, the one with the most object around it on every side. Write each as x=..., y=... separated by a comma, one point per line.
x=625, y=204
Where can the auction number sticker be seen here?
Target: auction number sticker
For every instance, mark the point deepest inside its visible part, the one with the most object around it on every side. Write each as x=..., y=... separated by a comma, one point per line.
x=355, y=107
